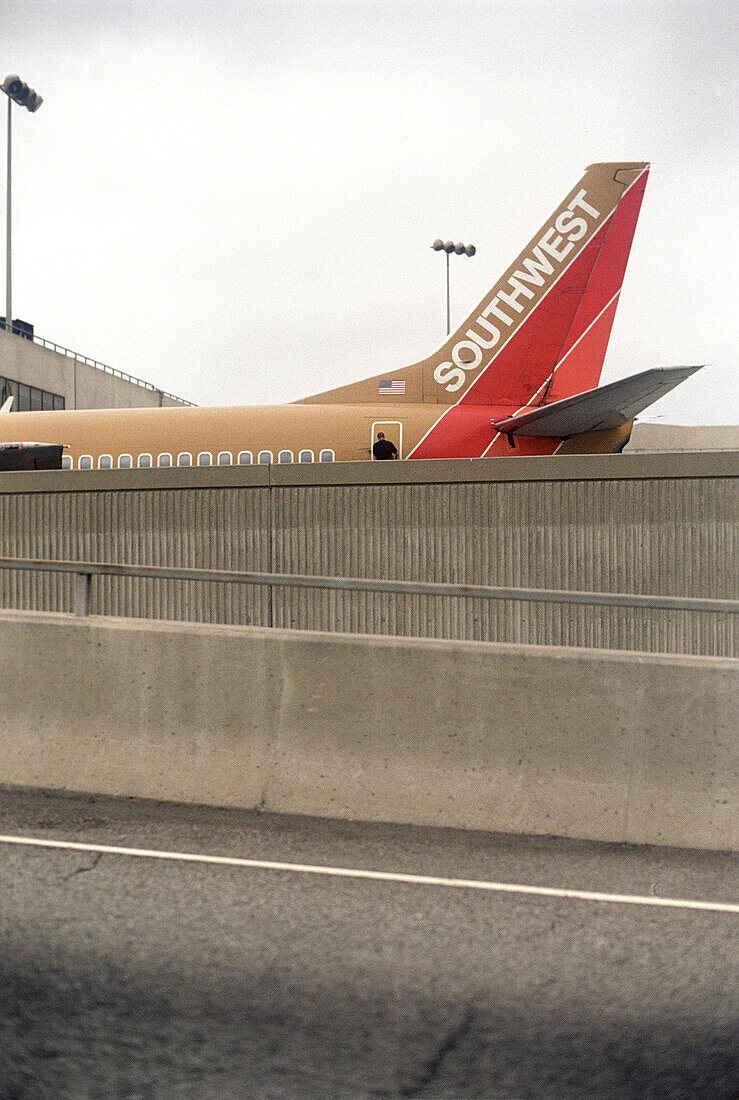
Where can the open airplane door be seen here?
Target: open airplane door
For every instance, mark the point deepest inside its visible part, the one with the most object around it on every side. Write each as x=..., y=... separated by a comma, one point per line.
x=392, y=430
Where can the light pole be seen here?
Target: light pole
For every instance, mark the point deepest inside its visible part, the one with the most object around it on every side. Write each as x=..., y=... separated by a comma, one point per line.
x=461, y=250
x=20, y=93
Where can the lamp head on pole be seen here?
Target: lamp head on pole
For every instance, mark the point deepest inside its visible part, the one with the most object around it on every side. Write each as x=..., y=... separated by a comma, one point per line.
x=450, y=247
x=20, y=93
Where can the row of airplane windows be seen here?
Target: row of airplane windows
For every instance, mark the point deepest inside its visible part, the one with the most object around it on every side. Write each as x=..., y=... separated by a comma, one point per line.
x=204, y=458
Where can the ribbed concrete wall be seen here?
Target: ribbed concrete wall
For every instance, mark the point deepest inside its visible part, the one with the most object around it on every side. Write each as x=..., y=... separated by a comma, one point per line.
x=652, y=524
x=662, y=536
x=586, y=744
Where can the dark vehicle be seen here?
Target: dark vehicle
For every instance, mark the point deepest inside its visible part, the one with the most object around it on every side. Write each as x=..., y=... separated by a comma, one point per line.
x=31, y=456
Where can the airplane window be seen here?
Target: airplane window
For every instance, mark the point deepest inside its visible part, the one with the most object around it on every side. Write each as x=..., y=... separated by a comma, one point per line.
x=225, y=458
x=85, y=462
x=67, y=462
x=164, y=459
x=305, y=456
x=205, y=458
x=125, y=462
x=184, y=459
x=144, y=461
x=105, y=462
x=326, y=456
x=265, y=458
x=244, y=458
x=285, y=456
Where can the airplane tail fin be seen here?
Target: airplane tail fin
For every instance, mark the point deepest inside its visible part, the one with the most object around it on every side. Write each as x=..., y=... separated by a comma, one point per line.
x=6, y=405
x=541, y=333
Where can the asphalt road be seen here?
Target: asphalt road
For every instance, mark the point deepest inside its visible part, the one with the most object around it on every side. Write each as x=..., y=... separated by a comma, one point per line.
x=125, y=976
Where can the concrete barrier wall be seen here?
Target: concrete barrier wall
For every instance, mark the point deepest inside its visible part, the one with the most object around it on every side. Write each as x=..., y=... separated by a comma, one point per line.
x=654, y=524
x=579, y=743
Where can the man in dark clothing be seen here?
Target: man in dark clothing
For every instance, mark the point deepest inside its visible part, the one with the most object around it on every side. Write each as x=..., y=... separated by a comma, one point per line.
x=383, y=448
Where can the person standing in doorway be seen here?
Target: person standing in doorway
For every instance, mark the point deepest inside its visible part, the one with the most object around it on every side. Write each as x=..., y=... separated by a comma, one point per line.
x=383, y=448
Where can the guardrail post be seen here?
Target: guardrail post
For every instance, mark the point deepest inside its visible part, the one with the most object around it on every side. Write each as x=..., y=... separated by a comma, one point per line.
x=82, y=586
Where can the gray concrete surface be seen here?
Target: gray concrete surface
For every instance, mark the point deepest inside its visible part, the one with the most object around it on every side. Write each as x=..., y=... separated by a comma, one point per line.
x=606, y=746
x=130, y=978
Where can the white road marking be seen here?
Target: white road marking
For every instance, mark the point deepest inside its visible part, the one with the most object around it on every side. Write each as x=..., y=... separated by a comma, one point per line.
x=375, y=876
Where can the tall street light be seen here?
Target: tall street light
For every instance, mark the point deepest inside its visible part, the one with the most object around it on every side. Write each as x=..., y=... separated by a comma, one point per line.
x=461, y=250
x=20, y=93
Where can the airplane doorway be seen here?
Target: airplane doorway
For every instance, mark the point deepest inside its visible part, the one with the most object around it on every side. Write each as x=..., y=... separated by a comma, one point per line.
x=392, y=429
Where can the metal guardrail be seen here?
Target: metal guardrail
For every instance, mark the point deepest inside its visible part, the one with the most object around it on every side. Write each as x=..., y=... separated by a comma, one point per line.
x=85, y=571
x=52, y=346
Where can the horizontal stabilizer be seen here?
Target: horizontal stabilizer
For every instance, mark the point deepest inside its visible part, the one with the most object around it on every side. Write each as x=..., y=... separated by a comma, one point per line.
x=597, y=410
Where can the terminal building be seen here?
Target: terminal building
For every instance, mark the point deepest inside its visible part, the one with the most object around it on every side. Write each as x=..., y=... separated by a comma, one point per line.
x=41, y=375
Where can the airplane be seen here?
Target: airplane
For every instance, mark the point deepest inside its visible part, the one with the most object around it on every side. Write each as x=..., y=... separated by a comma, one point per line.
x=518, y=377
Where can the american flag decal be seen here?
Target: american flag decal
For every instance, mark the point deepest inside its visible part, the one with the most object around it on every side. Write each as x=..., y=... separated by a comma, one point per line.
x=392, y=389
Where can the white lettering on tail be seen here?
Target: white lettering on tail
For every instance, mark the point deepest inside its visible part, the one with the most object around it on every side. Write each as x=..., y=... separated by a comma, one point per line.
x=557, y=242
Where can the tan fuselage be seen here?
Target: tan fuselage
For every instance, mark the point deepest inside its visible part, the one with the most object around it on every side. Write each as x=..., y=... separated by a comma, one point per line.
x=347, y=432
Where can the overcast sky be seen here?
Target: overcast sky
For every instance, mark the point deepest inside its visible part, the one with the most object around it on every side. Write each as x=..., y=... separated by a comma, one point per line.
x=235, y=200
